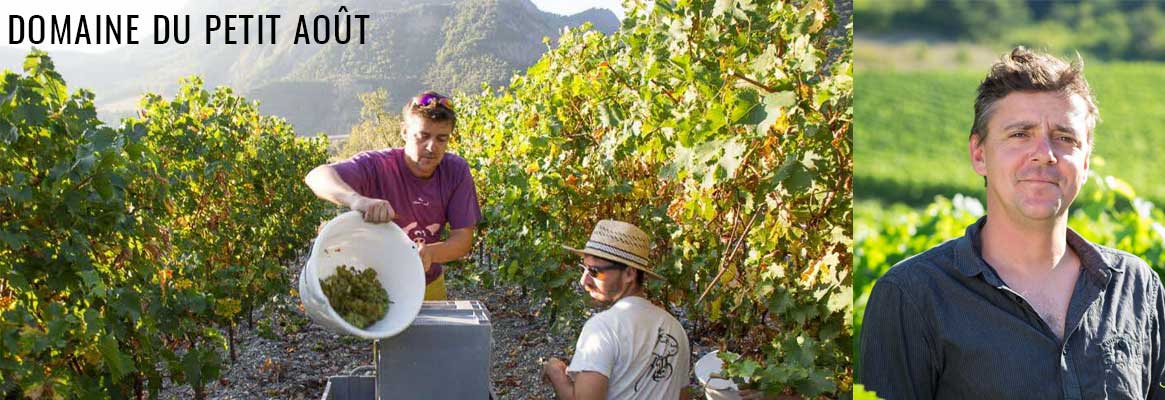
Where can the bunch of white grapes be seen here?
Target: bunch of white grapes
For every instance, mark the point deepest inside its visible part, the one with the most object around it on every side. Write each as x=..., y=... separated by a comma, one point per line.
x=356, y=296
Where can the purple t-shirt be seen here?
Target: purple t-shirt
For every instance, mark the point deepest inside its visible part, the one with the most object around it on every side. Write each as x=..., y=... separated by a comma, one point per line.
x=422, y=206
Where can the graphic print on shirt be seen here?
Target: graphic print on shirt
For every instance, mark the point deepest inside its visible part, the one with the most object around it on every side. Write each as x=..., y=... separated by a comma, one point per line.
x=420, y=201
x=419, y=235
x=662, y=354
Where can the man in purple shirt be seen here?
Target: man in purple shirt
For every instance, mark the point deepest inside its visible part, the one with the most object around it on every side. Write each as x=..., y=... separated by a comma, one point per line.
x=420, y=187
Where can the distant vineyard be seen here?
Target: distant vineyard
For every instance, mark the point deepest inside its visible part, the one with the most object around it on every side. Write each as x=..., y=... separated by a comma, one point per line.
x=912, y=138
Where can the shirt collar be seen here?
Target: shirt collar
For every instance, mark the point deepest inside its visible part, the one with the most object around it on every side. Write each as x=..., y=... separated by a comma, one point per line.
x=970, y=256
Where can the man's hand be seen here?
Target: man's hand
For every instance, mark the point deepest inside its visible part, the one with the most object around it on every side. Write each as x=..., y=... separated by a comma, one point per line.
x=459, y=243
x=375, y=210
x=426, y=256
x=554, y=370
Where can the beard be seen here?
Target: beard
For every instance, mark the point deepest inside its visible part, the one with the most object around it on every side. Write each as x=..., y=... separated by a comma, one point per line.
x=608, y=298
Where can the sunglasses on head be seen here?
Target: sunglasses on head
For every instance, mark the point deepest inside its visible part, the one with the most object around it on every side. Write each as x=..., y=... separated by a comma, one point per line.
x=595, y=272
x=429, y=98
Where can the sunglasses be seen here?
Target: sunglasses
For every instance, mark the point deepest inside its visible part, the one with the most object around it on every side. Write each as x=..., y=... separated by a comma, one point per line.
x=600, y=272
x=430, y=98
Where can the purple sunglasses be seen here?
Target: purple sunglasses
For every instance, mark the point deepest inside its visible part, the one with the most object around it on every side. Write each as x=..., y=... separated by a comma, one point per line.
x=430, y=98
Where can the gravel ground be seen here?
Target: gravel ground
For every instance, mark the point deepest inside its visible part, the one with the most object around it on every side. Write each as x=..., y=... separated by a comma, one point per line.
x=286, y=356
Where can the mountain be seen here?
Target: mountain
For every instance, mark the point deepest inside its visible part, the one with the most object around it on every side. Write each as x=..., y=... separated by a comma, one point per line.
x=444, y=45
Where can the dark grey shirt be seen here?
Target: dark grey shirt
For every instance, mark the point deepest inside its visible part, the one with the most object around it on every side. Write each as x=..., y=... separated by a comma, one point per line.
x=943, y=325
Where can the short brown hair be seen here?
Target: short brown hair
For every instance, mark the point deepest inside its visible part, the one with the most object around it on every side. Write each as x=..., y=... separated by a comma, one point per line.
x=1026, y=71
x=437, y=111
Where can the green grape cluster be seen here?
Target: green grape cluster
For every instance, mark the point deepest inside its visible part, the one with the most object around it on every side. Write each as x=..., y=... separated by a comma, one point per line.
x=356, y=296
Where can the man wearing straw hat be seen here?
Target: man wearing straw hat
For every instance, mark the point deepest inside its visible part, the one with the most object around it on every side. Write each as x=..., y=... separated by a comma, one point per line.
x=634, y=349
x=420, y=187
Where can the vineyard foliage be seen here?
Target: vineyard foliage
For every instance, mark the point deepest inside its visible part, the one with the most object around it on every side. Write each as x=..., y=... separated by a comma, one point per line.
x=1108, y=212
x=724, y=129
x=125, y=252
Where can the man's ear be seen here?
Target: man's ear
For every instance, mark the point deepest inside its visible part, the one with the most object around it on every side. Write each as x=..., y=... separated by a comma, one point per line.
x=629, y=274
x=976, y=148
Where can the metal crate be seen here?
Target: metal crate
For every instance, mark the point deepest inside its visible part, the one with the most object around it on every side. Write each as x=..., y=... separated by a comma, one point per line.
x=350, y=387
x=357, y=388
x=448, y=339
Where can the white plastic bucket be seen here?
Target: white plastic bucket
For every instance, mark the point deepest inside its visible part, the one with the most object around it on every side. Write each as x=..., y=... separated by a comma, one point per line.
x=348, y=240
x=715, y=388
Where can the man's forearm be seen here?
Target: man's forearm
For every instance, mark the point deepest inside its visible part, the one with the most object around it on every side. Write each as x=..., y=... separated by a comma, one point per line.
x=327, y=184
x=563, y=387
x=458, y=244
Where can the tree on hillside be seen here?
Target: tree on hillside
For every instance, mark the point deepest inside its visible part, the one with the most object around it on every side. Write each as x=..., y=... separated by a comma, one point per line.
x=378, y=128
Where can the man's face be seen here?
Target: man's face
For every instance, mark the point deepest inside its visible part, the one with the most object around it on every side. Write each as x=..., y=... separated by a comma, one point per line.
x=1035, y=155
x=425, y=143
x=609, y=285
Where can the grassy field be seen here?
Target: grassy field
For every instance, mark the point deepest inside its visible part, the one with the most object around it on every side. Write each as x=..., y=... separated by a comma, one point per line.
x=911, y=131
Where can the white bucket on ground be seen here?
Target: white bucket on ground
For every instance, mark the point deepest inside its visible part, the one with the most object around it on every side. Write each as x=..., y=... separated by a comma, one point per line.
x=348, y=240
x=715, y=388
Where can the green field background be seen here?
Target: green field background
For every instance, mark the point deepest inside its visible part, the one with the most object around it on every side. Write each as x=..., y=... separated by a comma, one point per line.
x=911, y=131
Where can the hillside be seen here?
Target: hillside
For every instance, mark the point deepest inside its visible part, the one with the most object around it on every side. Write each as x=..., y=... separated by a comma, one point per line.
x=441, y=44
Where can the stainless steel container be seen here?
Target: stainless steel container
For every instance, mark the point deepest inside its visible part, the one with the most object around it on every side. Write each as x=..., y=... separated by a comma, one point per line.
x=444, y=354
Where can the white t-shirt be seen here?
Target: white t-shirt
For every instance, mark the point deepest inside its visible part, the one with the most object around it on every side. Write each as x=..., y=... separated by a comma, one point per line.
x=639, y=347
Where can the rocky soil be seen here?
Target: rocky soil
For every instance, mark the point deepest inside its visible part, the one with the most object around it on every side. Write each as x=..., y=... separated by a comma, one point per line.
x=286, y=356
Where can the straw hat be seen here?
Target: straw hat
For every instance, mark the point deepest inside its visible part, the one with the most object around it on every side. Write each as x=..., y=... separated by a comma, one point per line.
x=621, y=242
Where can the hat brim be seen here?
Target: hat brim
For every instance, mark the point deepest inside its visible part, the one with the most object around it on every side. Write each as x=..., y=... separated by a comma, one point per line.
x=612, y=257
